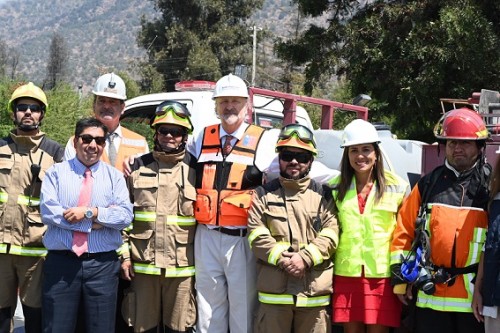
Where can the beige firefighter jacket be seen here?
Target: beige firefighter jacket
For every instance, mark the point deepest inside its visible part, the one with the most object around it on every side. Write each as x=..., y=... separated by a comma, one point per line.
x=23, y=162
x=162, y=233
x=296, y=216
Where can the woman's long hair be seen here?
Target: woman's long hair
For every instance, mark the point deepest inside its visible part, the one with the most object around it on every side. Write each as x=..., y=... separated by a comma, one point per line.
x=347, y=172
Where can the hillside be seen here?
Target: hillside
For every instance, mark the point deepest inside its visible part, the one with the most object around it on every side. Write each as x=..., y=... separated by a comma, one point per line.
x=101, y=34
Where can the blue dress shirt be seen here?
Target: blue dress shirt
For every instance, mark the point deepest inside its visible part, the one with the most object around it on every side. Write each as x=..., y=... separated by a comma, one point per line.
x=61, y=190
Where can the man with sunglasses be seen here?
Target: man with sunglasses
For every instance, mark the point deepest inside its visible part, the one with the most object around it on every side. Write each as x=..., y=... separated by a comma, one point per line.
x=25, y=155
x=293, y=232
x=232, y=157
x=160, y=262
x=85, y=205
x=109, y=104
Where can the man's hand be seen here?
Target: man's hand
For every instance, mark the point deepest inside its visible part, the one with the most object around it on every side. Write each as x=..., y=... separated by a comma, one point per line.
x=477, y=305
x=127, y=162
x=295, y=266
x=127, y=270
x=74, y=214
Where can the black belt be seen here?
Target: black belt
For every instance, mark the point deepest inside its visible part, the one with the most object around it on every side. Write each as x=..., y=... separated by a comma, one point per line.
x=231, y=232
x=84, y=256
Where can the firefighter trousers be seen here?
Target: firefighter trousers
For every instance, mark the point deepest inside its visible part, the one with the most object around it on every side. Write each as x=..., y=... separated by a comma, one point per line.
x=155, y=299
x=23, y=273
x=282, y=318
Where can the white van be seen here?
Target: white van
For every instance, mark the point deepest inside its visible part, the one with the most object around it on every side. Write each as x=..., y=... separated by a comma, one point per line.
x=197, y=96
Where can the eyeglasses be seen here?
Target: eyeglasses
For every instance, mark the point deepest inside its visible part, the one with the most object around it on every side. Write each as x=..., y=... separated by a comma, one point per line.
x=172, y=106
x=288, y=156
x=174, y=132
x=87, y=139
x=303, y=133
x=32, y=107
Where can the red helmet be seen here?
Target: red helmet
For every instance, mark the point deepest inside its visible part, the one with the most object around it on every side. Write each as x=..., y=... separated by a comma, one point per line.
x=461, y=124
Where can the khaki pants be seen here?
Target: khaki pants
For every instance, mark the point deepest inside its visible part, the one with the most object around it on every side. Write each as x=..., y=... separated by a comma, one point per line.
x=273, y=318
x=21, y=273
x=152, y=299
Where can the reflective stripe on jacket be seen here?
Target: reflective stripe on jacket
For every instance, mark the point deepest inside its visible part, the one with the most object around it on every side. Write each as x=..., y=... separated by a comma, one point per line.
x=21, y=227
x=366, y=238
x=303, y=222
x=223, y=184
x=162, y=234
x=456, y=222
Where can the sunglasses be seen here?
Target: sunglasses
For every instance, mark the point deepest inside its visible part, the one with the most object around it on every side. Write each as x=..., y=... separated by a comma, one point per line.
x=87, y=139
x=288, y=156
x=174, y=107
x=32, y=107
x=174, y=132
x=303, y=133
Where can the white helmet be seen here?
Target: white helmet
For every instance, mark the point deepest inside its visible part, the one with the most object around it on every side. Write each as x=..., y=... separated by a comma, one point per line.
x=230, y=86
x=110, y=85
x=358, y=132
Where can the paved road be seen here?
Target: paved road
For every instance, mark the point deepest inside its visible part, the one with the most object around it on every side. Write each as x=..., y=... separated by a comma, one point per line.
x=18, y=319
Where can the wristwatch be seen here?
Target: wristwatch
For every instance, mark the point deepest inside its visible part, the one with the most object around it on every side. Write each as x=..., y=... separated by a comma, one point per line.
x=89, y=213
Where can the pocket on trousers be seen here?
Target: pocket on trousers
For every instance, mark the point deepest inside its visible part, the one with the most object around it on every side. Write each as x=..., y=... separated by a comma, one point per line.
x=128, y=308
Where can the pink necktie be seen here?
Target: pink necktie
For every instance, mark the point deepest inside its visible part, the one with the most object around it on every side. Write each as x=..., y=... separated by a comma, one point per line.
x=226, y=148
x=79, y=245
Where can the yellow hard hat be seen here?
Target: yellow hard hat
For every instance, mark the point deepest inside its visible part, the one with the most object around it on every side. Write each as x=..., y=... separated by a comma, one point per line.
x=297, y=136
x=174, y=113
x=31, y=91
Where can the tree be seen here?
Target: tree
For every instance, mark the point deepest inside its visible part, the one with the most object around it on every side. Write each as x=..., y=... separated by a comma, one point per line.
x=3, y=59
x=405, y=54
x=58, y=61
x=14, y=62
x=198, y=39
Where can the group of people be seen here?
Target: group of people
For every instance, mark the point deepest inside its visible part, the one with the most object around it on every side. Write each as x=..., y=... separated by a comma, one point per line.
x=204, y=241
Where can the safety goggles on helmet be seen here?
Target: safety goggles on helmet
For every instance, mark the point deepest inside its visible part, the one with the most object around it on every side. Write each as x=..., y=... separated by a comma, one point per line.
x=172, y=112
x=304, y=134
x=174, y=107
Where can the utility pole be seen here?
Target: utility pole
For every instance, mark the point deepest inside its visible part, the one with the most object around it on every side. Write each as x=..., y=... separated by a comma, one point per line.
x=254, y=54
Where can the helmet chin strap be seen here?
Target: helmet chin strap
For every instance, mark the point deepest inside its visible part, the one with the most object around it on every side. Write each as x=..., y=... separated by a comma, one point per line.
x=168, y=150
x=28, y=128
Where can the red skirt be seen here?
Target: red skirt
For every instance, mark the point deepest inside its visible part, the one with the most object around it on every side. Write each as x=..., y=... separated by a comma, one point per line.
x=367, y=300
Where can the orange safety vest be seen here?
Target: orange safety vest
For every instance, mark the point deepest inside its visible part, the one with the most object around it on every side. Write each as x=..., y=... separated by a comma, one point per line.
x=224, y=185
x=131, y=144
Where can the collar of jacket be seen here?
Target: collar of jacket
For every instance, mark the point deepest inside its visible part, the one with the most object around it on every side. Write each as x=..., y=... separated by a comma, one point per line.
x=296, y=186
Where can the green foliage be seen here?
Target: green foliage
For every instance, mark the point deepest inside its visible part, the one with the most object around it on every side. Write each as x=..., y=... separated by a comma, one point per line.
x=198, y=40
x=405, y=54
x=65, y=109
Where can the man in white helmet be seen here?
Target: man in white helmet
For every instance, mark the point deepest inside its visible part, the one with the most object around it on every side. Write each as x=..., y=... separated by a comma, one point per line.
x=25, y=154
x=231, y=159
x=109, y=103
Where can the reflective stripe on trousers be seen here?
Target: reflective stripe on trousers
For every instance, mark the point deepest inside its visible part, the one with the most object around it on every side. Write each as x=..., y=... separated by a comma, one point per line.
x=304, y=302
